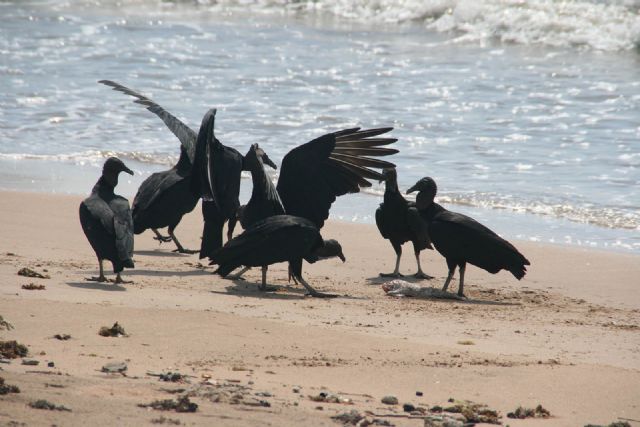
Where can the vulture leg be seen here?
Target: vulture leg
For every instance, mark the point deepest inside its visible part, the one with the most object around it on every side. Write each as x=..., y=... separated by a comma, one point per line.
x=180, y=249
x=396, y=272
x=463, y=267
x=263, y=285
x=212, y=231
x=452, y=269
x=231, y=225
x=159, y=237
x=312, y=292
x=238, y=275
x=292, y=276
x=120, y=280
x=101, y=277
x=421, y=274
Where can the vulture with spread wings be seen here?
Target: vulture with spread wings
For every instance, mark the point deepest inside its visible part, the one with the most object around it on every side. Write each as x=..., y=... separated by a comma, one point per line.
x=166, y=196
x=312, y=176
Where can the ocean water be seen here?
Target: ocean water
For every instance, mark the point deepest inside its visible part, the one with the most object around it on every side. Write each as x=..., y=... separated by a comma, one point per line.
x=527, y=113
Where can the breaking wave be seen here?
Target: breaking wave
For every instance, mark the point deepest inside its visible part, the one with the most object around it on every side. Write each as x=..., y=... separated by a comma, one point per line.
x=607, y=217
x=600, y=25
x=95, y=157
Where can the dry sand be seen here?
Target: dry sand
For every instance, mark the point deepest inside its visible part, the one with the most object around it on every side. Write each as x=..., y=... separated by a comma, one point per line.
x=566, y=337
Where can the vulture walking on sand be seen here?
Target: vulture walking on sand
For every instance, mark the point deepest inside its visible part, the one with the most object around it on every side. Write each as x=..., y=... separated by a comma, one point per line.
x=106, y=221
x=399, y=221
x=279, y=238
x=461, y=239
x=284, y=221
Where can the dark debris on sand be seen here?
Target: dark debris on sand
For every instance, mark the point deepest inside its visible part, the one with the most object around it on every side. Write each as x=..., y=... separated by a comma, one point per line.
x=4, y=325
x=34, y=287
x=330, y=398
x=45, y=404
x=7, y=388
x=181, y=404
x=12, y=349
x=473, y=412
x=115, y=331
x=355, y=418
x=613, y=424
x=27, y=272
x=228, y=392
x=522, y=413
x=173, y=377
x=165, y=420
x=62, y=337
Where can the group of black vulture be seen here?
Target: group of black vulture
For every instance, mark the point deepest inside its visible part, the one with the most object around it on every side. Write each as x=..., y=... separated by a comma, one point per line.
x=281, y=223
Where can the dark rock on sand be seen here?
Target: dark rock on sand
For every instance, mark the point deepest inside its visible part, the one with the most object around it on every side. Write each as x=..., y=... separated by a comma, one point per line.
x=12, y=349
x=182, y=404
x=522, y=413
x=115, y=331
x=45, y=404
x=114, y=367
x=7, y=388
x=27, y=272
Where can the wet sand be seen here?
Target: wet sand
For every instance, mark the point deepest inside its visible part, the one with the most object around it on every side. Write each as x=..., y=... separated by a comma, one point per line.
x=567, y=336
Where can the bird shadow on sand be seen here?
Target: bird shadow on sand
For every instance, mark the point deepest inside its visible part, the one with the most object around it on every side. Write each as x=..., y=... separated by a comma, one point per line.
x=246, y=288
x=167, y=273
x=111, y=287
x=162, y=253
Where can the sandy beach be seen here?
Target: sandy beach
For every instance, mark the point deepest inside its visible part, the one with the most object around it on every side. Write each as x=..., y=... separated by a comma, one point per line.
x=566, y=337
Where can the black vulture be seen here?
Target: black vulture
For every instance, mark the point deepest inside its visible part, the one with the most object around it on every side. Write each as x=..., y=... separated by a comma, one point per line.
x=164, y=197
x=264, y=201
x=279, y=238
x=399, y=221
x=311, y=177
x=216, y=177
x=106, y=221
x=461, y=239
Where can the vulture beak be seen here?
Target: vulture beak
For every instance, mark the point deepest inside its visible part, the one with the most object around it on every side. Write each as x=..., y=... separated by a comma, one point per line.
x=412, y=189
x=342, y=257
x=127, y=170
x=383, y=174
x=267, y=161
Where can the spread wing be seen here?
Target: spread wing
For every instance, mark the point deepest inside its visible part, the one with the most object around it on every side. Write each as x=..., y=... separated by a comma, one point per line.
x=314, y=174
x=183, y=132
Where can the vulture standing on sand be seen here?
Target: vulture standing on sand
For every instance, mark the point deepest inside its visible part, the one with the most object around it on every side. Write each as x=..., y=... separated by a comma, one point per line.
x=216, y=176
x=399, y=221
x=106, y=221
x=166, y=196
x=461, y=239
x=311, y=177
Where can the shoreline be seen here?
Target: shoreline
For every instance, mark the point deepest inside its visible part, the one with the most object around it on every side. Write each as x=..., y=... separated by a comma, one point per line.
x=565, y=337
x=48, y=177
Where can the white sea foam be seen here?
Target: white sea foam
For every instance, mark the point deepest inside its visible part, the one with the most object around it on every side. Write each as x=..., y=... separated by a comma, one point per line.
x=607, y=217
x=94, y=157
x=611, y=25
